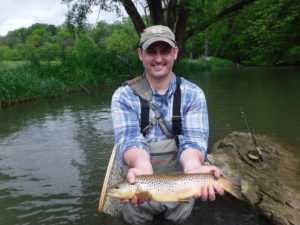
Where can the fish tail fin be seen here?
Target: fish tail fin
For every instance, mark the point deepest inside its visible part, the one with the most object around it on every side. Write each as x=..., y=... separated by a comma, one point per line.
x=236, y=187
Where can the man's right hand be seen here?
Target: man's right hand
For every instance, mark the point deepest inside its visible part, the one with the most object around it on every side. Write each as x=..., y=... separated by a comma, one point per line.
x=138, y=160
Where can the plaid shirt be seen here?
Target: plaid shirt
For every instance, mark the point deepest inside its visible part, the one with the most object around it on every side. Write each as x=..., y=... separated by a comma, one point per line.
x=126, y=111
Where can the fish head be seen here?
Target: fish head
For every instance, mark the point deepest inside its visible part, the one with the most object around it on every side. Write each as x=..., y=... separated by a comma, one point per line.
x=122, y=190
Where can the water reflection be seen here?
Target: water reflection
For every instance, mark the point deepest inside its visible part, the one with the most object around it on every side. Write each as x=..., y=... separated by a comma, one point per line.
x=95, y=138
x=50, y=172
x=53, y=153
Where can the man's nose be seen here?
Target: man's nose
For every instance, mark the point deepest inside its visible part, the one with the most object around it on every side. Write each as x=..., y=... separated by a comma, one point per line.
x=158, y=57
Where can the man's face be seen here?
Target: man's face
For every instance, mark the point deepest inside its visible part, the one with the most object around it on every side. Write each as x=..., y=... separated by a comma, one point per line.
x=158, y=59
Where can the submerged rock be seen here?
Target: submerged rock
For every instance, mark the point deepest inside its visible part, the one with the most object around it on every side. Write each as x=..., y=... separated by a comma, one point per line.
x=272, y=186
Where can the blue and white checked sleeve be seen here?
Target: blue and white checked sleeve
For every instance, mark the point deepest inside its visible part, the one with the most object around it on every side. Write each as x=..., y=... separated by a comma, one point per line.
x=195, y=126
x=125, y=115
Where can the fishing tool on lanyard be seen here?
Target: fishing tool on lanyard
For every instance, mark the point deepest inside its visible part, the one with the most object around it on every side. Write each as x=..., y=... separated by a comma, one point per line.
x=254, y=155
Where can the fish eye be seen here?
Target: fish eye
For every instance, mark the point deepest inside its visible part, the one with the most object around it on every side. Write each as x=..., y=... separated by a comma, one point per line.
x=117, y=187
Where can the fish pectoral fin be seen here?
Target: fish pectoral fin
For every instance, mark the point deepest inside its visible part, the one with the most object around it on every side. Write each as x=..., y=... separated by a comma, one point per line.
x=144, y=196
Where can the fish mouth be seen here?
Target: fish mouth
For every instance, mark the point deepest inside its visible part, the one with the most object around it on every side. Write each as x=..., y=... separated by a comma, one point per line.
x=110, y=192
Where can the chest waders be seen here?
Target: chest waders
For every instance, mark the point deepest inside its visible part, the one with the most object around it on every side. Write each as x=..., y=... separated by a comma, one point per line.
x=163, y=156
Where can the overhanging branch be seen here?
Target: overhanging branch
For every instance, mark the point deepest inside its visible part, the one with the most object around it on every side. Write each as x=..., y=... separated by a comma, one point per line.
x=234, y=8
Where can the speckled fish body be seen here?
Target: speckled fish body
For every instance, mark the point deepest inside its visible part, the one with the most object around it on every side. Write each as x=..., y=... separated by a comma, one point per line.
x=172, y=188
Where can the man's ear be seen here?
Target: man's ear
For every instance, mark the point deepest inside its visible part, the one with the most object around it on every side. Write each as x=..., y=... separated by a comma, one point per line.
x=140, y=52
x=176, y=49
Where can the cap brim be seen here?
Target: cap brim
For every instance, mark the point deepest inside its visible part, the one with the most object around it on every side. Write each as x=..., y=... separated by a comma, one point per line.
x=149, y=42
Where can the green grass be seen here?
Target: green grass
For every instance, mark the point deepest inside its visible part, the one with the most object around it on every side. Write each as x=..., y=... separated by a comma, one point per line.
x=17, y=64
x=23, y=81
x=202, y=64
x=22, y=84
x=12, y=64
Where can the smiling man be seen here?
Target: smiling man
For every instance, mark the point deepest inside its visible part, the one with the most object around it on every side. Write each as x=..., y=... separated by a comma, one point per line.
x=161, y=126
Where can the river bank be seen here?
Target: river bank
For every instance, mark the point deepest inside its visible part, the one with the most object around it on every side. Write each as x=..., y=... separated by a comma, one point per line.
x=28, y=81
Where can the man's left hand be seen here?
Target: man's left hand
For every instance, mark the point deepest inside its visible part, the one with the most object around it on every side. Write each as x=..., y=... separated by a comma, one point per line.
x=208, y=193
x=192, y=162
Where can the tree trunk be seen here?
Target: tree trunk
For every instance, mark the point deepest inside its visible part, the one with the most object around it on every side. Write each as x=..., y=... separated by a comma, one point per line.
x=134, y=15
x=180, y=31
x=171, y=14
x=206, y=44
x=191, y=49
x=156, y=11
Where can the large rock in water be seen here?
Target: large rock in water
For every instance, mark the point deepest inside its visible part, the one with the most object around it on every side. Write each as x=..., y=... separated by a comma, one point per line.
x=272, y=185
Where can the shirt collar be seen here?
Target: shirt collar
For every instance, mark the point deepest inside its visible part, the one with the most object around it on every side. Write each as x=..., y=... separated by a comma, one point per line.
x=172, y=87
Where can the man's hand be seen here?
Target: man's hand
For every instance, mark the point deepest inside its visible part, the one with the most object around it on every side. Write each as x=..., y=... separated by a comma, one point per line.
x=192, y=162
x=138, y=160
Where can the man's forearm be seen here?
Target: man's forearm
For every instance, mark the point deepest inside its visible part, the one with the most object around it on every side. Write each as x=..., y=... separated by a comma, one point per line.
x=138, y=161
x=136, y=157
x=191, y=159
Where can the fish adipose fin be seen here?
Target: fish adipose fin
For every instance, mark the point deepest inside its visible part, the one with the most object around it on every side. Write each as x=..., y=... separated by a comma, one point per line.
x=236, y=187
x=144, y=196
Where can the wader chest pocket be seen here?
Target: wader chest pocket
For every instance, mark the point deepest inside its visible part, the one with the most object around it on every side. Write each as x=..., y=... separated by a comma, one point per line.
x=163, y=156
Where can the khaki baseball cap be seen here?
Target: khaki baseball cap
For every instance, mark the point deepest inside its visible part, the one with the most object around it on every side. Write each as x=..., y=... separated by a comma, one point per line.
x=157, y=33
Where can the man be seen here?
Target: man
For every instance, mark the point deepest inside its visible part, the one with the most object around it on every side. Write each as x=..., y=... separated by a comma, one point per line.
x=138, y=146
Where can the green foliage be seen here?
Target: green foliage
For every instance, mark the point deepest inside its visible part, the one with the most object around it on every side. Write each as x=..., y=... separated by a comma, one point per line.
x=201, y=64
x=85, y=50
x=3, y=50
x=100, y=33
x=49, y=51
x=262, y=34
x=293, y=56
x=120, y=42
x=4, y=65
x=12, y=54
x=47, y=42
x=24, y=84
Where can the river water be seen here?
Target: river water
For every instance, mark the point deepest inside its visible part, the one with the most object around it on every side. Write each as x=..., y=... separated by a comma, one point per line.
x=54, y=152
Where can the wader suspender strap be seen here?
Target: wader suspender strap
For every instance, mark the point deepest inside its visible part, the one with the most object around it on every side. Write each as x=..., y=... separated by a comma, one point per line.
x=176, y=117
x=144, y=115
x=142, y=88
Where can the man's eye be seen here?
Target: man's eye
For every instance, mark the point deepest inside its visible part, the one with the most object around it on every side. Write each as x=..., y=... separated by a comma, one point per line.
x=166, y=51
x=151, y=52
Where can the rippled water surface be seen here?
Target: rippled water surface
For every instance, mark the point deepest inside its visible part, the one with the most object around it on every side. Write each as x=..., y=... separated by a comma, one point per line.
x=54, y=153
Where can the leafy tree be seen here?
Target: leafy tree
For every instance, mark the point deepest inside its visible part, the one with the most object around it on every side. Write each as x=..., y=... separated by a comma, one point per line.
x=52, y=29
x=120, y=42
x=49, y=51
x=34, y=40
x=3, y=50
x=21, y=48
x=12, y=54
x=12, y=38
x=64, y=34
x=263, y=34
x=100, y=33
x=85, y=50
x=178, y=15
x=293, y=56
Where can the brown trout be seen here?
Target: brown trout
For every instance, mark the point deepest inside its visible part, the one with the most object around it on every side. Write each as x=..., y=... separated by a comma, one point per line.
x=172, y=188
